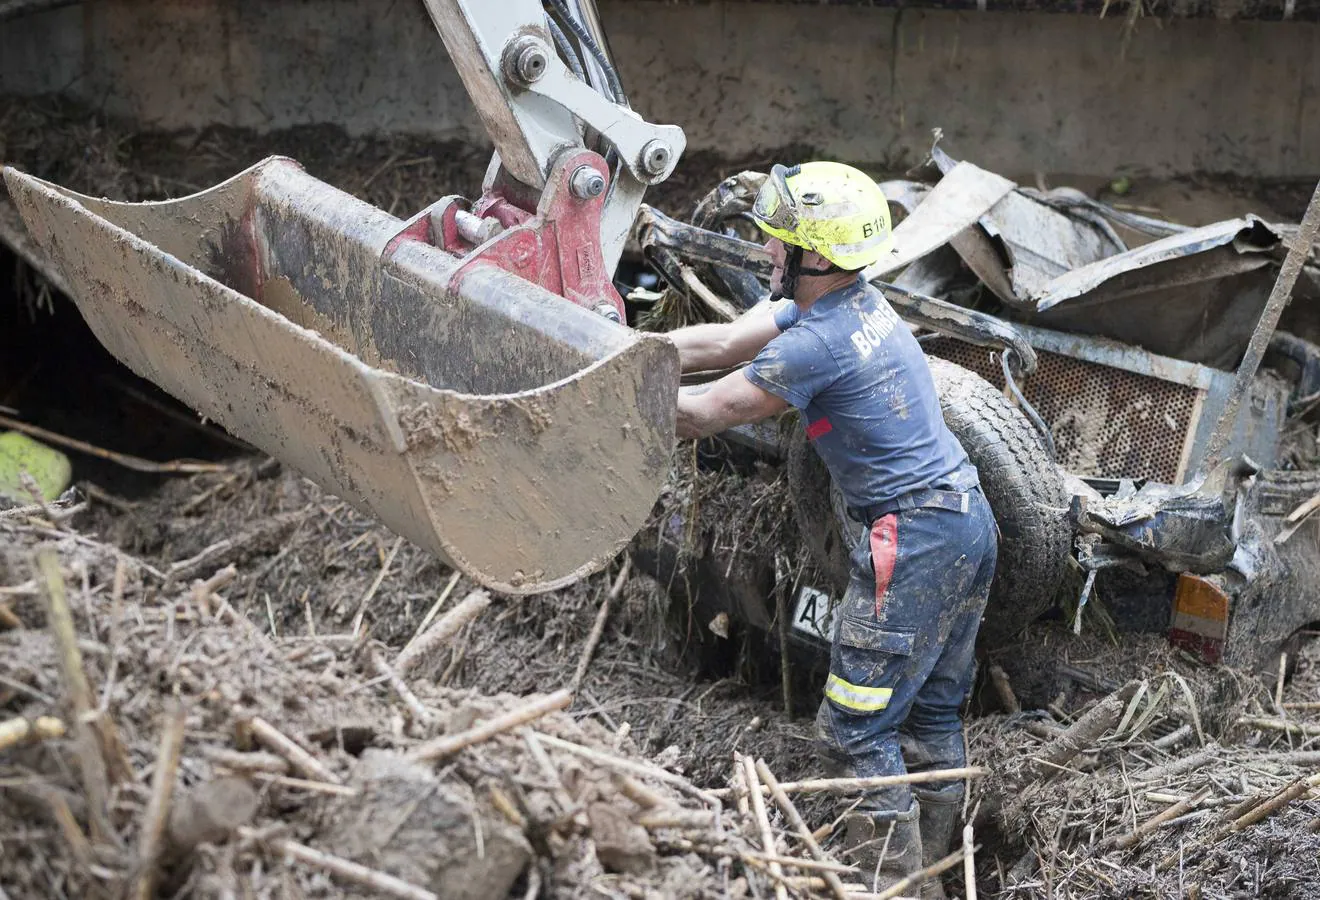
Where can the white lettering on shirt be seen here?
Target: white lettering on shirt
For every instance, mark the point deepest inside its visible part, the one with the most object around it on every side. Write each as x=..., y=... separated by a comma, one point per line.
x=876, y=326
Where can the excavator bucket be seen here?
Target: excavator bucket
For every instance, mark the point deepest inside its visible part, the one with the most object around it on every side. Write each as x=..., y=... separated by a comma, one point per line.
x=517, y=436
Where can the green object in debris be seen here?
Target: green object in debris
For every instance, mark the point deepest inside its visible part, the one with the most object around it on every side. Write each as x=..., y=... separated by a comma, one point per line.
x=20, y=454
x=1121, y=185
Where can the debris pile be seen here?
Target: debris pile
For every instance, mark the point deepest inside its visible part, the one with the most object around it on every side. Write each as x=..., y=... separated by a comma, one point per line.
x=239, y=686
x=158, y=742
x=1190, y=781
x=328, y=747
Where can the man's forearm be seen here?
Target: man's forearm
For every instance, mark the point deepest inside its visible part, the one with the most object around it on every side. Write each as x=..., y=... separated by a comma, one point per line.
x=702, y=348
x=696, y=419
x=705, y=348
x=706, y=409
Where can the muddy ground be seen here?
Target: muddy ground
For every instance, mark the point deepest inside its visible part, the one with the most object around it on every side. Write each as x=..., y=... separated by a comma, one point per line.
x=219, y=606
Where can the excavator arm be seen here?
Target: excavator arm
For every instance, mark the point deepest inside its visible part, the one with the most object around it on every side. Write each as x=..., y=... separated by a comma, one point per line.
x=428, y=371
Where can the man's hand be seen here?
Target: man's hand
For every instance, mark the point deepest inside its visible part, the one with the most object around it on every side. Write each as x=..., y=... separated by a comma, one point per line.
x=706, y=348
x=707, y=409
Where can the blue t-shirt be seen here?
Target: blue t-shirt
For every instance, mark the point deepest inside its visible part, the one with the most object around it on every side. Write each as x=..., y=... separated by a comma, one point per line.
x=868, y=400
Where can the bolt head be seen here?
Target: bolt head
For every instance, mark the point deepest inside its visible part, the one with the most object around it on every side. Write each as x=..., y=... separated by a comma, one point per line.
x=655, y=157
x=525, y=60
x=586, y=183
x=608, y=310
x=531, y=63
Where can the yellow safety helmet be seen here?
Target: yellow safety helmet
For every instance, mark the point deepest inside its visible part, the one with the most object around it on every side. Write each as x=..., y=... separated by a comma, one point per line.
x=828, y=207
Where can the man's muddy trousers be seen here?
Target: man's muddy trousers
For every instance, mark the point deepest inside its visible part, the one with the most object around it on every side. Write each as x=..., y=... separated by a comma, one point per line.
x=904, y=640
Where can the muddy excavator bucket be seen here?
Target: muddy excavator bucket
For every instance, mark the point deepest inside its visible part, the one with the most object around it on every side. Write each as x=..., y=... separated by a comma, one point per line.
x=518, y=436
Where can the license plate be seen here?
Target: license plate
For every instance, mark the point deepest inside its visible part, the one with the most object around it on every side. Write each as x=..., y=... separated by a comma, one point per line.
x=812, y=613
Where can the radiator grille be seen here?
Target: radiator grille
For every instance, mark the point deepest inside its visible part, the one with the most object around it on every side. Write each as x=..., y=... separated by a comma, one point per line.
x=1107, y=422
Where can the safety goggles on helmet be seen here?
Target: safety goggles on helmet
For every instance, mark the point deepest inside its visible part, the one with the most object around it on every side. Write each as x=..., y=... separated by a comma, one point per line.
x=775, y=205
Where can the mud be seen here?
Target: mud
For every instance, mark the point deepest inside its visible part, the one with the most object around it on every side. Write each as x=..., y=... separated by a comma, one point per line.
x=661, y=688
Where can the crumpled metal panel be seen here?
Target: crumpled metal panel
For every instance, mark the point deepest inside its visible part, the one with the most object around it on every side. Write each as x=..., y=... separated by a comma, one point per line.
x=962, y=196
x=1165, y=263
x=1034, y=244
x=1196, y=295
x=515, y=435
x=1185, y=528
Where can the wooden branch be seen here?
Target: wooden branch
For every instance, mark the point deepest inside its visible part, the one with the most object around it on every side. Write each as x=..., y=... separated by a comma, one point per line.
x=136, y=463
x=1177, y=766
x=90, y=760
x=422, y=716
x=301, y=761
x=638, y=793
x=9, y=618
x=349, y=871
x=1246, y=814
x=1264, y=810
x=448, y=626
x=302, y=784
x=794, y=818
x=1173, y=738
x=807, y=865
x=1004, y=689
x=917, y=878
x=670, y=817
x=79, y=846
x=375, y=586
x=854, y=785
x=449, y=744
x=598, y=627
x=1085, y=732
x=722, y=308
x=435, y=608
x=1173, y=812
x=158, y=807
x=627, y=766
x=763, y=825
x=1270, y=724
x=969, y=862
x=264, y=532
x=238, y=761
x=202, y=590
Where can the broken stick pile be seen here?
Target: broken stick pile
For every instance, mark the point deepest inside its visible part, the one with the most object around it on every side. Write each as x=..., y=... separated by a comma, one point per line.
x=158, y=743
x=1150, y=792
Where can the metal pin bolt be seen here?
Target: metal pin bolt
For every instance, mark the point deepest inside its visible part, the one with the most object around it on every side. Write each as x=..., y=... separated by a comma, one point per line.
x=474, y=229
x=609, y=311
x=525, y=60
x=586, y=182
x=655, y=157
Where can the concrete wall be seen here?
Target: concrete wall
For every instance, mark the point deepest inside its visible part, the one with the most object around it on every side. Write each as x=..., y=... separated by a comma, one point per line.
x=1014, y=91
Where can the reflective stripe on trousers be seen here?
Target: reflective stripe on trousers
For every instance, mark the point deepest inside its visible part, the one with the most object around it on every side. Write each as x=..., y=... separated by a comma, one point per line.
x=904, y=640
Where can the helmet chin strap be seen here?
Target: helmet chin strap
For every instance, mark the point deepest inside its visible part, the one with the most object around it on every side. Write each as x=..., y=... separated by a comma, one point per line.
x=793, y=272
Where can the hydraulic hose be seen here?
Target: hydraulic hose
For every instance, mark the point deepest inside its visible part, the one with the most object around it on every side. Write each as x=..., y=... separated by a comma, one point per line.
x=585, y=39
x=566, y=48
x=1011, y=383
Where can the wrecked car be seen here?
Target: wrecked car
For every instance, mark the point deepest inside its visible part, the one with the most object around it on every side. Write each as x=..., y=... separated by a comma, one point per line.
x=1095, y=365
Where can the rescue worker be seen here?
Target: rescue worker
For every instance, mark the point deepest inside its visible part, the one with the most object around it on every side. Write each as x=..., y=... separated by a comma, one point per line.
x=829, y=344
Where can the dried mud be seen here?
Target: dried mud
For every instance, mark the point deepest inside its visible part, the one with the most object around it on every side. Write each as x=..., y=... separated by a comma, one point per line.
x=306, y=566
x=272, y=640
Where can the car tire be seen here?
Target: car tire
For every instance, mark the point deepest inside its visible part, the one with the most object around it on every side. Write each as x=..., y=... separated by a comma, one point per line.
x=1025, y=489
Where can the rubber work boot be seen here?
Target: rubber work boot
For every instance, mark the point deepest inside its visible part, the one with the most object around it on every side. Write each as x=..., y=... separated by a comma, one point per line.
x=885, y=848
x=940, y=810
